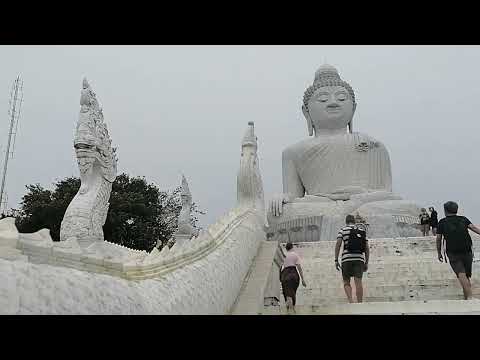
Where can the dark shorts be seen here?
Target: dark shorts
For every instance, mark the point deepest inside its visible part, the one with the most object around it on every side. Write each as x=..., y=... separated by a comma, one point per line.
x=461, y=263
x=290, y=280
x=352, y=268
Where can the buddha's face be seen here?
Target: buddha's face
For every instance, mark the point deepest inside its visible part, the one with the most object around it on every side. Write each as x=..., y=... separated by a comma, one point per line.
x=331, y=108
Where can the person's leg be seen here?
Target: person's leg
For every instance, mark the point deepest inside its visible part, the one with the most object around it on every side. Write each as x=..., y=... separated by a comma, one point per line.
x=289, y=302
x=294, y=301
x=468, y=261
x=434, y=231
x=358, y=289
x=348, y=289
x=284, y=291
x=346, y=275
x=466, y=286
x=425, y=229
x=295, y=284
x=357, y=272
x=289, y=305
x=458, y=262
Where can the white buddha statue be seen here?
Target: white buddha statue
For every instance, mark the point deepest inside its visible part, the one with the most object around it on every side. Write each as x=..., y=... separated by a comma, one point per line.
x=337, y=171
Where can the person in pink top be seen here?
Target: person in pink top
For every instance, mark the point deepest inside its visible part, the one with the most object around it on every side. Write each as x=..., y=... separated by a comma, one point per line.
x=289, y=277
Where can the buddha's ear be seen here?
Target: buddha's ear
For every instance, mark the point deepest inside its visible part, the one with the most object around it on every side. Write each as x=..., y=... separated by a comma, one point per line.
x=350, y=124
x=309, y=120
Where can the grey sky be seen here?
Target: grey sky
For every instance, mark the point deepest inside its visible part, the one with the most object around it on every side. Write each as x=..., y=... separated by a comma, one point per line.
x=173, y=109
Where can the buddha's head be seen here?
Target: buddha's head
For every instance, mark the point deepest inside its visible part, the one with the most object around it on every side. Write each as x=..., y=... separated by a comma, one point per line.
x=329, y=104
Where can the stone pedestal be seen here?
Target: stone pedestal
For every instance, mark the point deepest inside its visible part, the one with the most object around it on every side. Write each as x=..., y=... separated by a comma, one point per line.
x=309, y=222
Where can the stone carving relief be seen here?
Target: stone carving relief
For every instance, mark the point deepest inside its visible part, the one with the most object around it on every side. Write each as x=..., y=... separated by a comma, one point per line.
x=97, y=161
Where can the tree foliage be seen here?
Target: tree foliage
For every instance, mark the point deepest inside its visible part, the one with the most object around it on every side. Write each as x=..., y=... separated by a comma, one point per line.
x=139, y=215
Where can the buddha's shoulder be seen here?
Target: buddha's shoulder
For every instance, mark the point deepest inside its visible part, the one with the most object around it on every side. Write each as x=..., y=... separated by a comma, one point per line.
x=293, y=150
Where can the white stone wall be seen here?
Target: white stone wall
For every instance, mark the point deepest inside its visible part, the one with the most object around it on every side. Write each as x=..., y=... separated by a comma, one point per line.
x=208, y=285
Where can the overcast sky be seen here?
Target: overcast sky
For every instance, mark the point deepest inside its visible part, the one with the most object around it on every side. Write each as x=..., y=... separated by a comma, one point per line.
x=173, y=109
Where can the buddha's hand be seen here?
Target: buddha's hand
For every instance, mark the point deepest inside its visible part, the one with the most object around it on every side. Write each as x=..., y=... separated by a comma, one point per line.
x=276, y=204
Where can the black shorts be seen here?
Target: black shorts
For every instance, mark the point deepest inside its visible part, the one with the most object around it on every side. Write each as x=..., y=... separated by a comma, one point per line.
x=461, y=263
x=352, y=268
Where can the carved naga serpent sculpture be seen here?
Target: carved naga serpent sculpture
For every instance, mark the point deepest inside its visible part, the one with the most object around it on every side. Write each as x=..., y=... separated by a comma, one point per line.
x=97, y=161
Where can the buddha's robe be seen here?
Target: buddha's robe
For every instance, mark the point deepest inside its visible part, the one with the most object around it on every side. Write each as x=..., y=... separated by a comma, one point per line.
x=332, y=164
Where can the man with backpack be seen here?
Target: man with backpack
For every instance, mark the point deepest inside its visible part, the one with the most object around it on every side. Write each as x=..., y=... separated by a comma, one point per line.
x=355, y=256
x=454, y=229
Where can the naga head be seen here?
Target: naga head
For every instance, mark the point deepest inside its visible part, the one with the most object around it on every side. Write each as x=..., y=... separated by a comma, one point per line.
x=92, y=142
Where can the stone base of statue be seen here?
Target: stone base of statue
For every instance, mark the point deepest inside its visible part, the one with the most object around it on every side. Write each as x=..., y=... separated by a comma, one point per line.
x=308, y=219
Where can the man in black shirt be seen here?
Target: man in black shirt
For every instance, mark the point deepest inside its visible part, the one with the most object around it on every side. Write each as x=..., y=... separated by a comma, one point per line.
x=458, y=245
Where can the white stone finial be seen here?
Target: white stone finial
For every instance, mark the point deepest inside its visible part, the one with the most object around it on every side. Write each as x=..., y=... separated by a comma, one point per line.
x=185, y=229
x=85, y=83
x=185, y=188
x=249, y=138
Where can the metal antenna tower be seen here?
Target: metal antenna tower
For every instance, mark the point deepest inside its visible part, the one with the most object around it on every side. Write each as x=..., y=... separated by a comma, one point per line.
x=15, y=106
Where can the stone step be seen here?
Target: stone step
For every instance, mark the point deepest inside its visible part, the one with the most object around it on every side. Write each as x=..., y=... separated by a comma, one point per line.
x=400, y=270
x=428, y=307
x=380, y=296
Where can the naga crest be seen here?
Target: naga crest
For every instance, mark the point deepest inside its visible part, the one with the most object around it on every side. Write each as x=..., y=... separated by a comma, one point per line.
x=185, y=191
x=92, y=141
x=249, y=180
x=184, y=225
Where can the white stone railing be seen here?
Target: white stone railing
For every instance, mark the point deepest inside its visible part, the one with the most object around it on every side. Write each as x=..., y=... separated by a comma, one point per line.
x=201, y=276
x=129, y=263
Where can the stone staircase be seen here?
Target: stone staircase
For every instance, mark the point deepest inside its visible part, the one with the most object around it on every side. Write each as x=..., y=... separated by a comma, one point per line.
x=404, y=276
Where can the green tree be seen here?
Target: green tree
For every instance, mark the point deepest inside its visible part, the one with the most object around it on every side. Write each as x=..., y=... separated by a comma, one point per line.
x=139, y=215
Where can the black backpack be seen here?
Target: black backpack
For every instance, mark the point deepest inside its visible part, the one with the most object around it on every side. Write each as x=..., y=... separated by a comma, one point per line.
x=457, y=236
x=357, y=241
